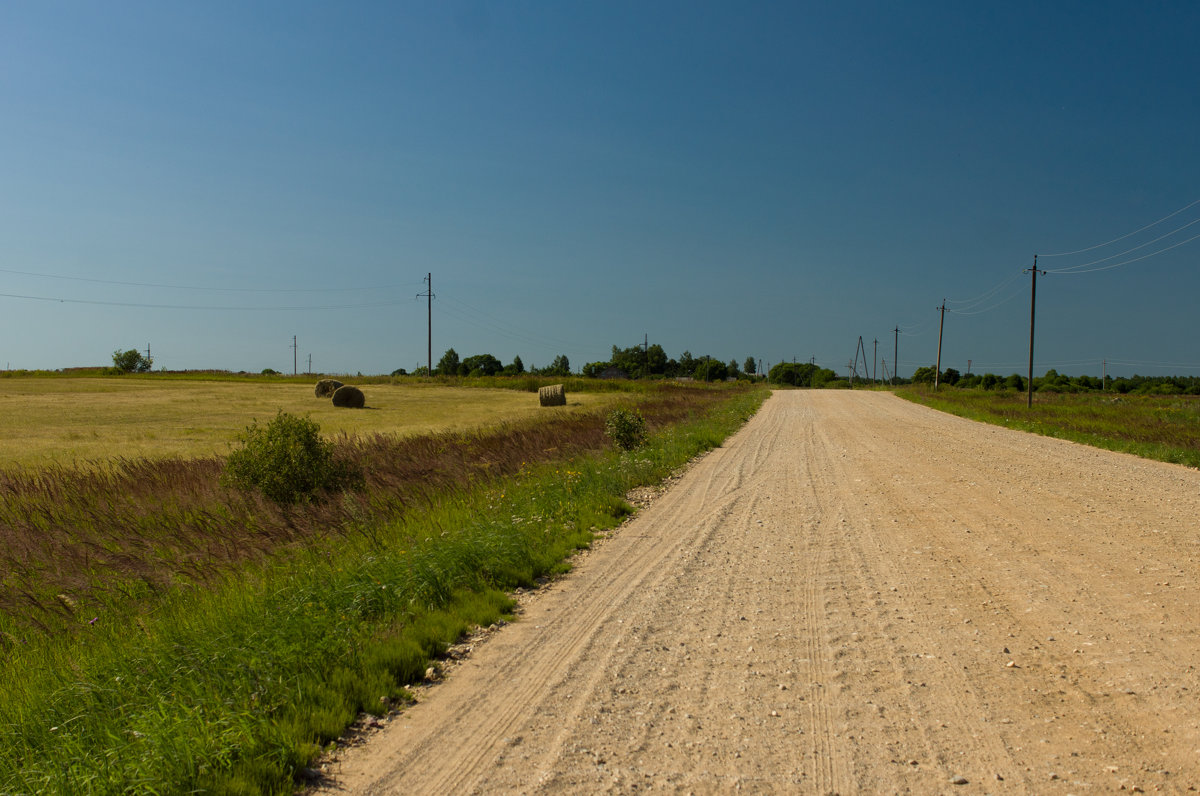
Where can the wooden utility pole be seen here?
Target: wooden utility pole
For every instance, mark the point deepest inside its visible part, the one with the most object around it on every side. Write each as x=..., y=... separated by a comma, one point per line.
x=294, y=356
x=1032, y=306
x=875, y=364
x=428, y=280
x=937, y=373
x=895, y=353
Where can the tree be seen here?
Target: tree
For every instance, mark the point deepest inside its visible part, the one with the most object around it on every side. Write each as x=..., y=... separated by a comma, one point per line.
x=923, y=375
x=632, y=360
x=656, y=360
x=687, y=365
x=131, y=361
x=480, y=365
x=561, y=366
x=950, y=376
x=448, y=364
x=517, y=367
x=593, y=369
x=710, y=369
x=733, y=369
x=749, y=368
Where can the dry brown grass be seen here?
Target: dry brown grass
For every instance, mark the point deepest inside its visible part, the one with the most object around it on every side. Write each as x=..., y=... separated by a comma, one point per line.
x=68, y=421
x=133, y=526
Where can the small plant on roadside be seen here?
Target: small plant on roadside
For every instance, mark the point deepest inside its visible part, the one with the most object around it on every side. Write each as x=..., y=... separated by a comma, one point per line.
x=287, y=461
x=625, y=428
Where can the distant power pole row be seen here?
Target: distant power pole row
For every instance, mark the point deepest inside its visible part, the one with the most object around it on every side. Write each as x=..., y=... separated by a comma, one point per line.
x=1034, y=271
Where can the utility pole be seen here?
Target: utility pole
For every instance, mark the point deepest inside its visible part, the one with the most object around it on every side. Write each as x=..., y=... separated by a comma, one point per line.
x=938, y=368
x=895, y=353
x=968, y=367
x=428, y=280
x=1032, y=306
x=875, y=363
x=1103, y=375
x=295, y=351
x=309, y=363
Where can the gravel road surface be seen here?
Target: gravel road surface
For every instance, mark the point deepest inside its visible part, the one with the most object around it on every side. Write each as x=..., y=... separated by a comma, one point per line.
x=854, y=595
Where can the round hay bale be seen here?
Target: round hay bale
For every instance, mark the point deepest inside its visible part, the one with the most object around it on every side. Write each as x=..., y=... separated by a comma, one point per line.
x=327, y=387
x=349, y=397
x=553, y=395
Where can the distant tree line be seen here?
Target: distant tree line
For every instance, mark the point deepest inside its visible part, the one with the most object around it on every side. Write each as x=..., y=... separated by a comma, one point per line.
x=487, y=365
x=1054, y=382
x=651, y=362
x=637, y=362
x=804, y=374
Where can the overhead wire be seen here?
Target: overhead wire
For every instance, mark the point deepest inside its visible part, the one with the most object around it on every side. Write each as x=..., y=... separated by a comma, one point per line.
x=984, y=296
x=122, y=283
x=1127, y=235
x=146, y=305
x=1080, y=269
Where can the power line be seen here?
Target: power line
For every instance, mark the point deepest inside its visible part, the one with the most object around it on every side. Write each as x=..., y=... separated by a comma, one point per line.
x=984, y=296
x=1080, y=269
x=1127, y=235
x=164, y=286
x=999, y=303
x=200, y=306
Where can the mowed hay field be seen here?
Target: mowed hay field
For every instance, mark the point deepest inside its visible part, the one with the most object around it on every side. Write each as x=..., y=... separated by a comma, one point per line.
x=69, y=421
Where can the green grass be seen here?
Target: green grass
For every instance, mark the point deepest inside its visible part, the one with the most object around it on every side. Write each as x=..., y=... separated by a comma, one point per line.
x=1166, y=428
x=235, y=683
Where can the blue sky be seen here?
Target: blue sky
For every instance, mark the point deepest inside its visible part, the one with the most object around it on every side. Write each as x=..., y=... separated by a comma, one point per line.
x=735, y=179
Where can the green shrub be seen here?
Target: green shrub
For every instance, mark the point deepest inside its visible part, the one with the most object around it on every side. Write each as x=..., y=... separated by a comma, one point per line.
x=627, y=429
x=287, y=461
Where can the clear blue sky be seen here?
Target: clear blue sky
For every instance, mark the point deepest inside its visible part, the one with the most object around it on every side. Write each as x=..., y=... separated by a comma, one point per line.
x=736, y=179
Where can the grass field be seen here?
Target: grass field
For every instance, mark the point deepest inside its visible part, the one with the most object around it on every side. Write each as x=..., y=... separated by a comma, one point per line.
x=75, y=420
x=164, y=634
x=1162, y=427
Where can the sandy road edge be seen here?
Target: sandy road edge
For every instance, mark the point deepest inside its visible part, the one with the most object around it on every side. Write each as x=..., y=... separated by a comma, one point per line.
x=320, y=778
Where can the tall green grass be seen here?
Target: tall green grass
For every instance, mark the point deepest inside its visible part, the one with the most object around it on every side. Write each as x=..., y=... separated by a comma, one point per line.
x=1166, y=428
x=233, y=684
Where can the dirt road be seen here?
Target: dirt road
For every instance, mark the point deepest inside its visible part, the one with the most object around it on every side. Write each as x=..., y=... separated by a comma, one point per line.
x=854, y=595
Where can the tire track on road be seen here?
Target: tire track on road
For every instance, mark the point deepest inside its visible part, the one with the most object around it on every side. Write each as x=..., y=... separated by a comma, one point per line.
x=828, y=604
